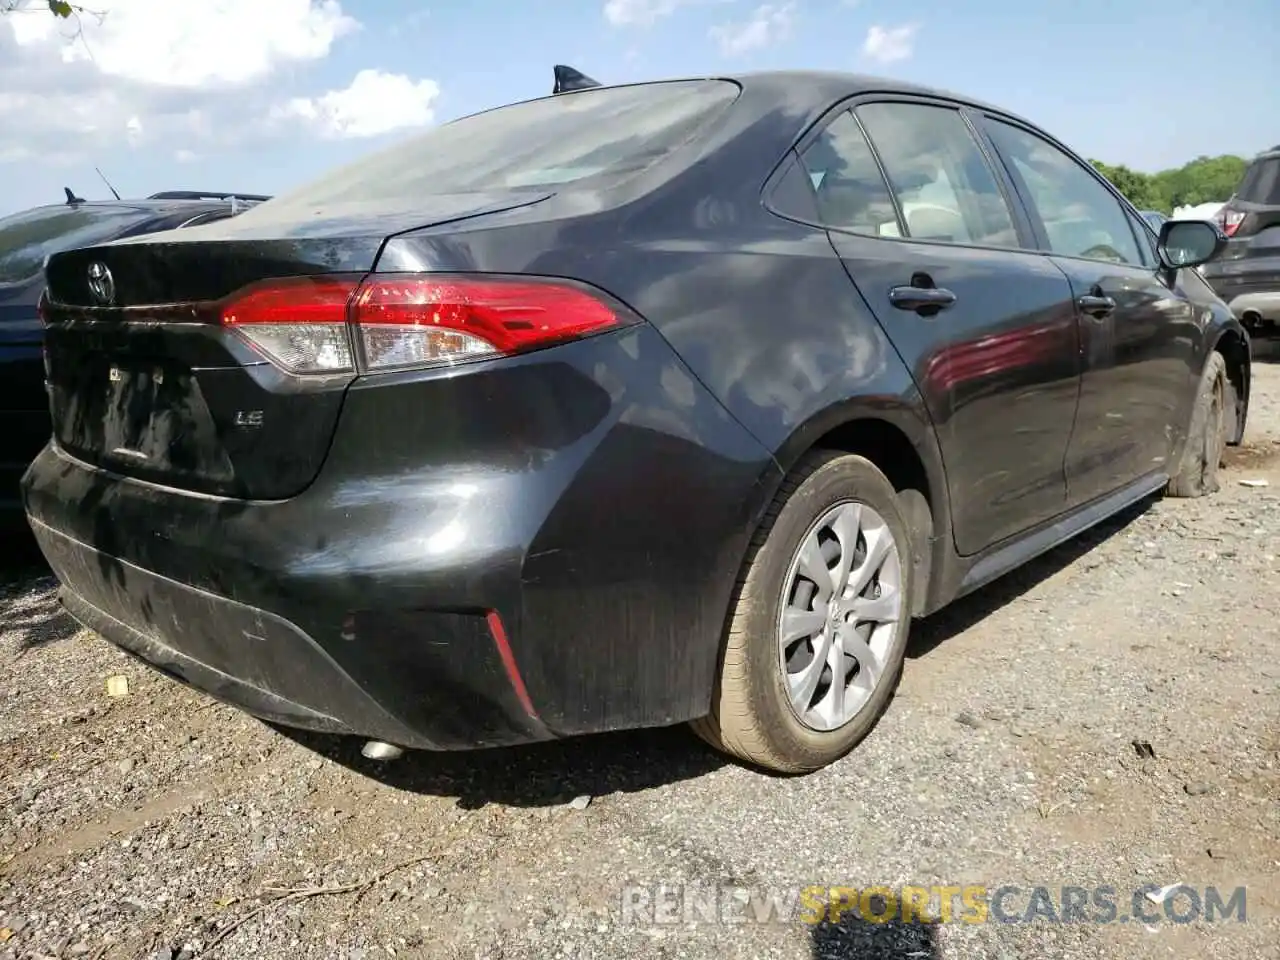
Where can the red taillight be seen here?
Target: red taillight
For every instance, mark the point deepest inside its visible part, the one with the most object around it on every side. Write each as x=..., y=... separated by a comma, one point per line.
x=308, y=325
x=1231, y=220
x=299, y=323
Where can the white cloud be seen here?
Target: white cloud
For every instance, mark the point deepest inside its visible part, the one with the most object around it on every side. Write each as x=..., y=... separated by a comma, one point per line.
x=890, y=44
x=184, y=76
x=769, y=24
x=375, y=103
x=193, y=44
x=639, y=13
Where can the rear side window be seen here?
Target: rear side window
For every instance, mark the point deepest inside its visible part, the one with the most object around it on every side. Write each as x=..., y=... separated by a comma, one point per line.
x=1261, y=182
x=851, y=193
x=604, y=131
x=943, y=183
x=27, y=238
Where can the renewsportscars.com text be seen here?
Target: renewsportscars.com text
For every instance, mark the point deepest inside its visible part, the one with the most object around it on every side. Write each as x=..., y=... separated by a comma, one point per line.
x=971, y=903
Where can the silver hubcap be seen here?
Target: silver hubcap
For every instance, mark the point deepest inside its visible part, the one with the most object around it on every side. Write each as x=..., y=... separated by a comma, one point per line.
x=840, y=610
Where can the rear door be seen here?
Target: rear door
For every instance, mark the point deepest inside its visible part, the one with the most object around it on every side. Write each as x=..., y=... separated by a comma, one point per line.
x=927, y=232
x=1138, y=330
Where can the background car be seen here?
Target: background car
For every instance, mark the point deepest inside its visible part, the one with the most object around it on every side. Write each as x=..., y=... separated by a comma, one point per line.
x=26, y=239
x=622, y=407
x=1247, y=274
x=1155, y=218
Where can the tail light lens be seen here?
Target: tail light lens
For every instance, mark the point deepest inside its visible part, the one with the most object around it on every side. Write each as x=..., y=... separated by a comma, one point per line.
x=1231, y=220
x=299, y=324
x=408, y=320
x=401, y=321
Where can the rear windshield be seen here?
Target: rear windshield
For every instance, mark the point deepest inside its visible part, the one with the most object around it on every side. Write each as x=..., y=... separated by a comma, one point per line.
x=27, y=238
x=1261, y=183
x=541, y=143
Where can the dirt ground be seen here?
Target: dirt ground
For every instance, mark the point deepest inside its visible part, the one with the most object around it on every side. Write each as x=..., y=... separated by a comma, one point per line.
x=162, y=824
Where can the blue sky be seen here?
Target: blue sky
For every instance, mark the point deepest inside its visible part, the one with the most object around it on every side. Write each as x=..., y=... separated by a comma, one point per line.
x=259, y=95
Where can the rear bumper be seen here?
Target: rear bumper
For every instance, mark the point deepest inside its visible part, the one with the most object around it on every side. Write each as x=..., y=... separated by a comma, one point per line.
x=1255, y=290
x=1265, y=305
x=554, y=557
x=267, y=666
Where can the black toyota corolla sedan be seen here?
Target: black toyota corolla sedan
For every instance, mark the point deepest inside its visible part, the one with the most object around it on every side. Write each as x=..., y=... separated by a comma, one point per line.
x=624, y=407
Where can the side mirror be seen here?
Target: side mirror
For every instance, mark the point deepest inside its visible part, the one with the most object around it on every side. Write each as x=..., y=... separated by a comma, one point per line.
x=1189, y=243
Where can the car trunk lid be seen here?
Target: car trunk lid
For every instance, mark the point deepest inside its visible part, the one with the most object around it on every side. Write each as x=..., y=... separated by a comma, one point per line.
x=145, y=378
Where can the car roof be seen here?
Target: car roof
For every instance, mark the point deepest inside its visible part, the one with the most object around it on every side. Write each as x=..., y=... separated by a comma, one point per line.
x=815, y=90
x=822, y=86
x=826, y=83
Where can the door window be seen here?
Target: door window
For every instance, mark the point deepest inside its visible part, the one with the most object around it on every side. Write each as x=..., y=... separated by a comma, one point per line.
x=943, y=183
x=1261, y=181
x=1081, y=217
x=850, y=191
x=1145, y=231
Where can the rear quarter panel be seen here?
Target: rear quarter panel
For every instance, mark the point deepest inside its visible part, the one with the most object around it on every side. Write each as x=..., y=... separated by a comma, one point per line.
x=763, y=324
x=759, y=313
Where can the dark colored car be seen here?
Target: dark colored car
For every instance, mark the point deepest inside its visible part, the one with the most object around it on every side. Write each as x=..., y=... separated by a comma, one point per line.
x=1247, y=273
x=623, y=407
x=28, y=237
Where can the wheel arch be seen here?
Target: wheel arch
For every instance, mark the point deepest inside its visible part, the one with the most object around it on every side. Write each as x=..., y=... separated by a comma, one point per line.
x=899, y=439
x=1232, y=342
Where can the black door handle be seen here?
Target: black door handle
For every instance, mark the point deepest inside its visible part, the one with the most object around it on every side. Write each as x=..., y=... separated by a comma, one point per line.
x=925, y=301
x=1096, y=306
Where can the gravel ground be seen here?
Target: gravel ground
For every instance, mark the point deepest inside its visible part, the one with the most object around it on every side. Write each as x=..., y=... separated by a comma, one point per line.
x=162, y=824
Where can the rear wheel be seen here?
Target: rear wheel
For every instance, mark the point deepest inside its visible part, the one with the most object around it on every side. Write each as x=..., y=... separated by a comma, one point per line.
x=1197, y=474
x=818, y=630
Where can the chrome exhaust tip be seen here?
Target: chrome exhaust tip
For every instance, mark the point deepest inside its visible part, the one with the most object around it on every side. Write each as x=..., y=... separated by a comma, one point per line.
x=377, y=750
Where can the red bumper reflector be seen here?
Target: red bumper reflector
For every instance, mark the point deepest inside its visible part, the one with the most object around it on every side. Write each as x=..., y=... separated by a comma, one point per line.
x=499, y=634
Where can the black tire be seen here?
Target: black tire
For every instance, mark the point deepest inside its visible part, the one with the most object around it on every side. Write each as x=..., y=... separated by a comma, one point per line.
x=751, y=716
x=1197, y=474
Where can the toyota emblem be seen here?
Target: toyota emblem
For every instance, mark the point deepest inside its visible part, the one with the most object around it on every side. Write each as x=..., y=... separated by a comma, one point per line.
x=101, y=283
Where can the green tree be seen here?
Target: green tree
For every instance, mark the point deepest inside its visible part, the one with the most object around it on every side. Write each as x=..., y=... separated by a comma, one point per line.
x=1202, y=180
x=1141, y=189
